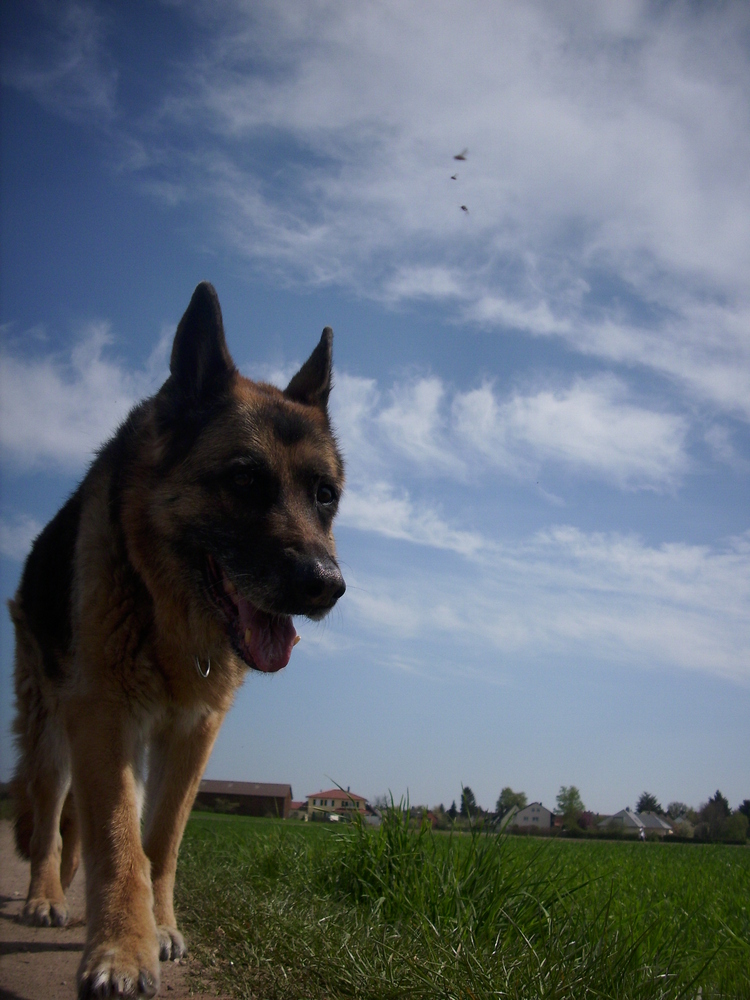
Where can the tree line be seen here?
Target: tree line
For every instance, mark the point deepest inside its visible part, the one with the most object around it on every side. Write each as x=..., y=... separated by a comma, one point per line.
x=713, y=820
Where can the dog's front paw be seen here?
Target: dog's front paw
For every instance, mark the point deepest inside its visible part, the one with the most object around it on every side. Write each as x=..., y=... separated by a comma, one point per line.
x=45, y=912
x=118, y=971
x=171, y=943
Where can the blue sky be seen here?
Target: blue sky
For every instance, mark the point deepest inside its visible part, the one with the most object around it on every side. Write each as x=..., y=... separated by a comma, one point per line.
x=543, y=401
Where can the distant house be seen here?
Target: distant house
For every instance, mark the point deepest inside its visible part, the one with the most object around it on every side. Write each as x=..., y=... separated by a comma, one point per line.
x=506, y=820
x=335, y=802
x=625, y=820
x=246, y=798
x=655, y=824
x=587, y=819
x=532, y=817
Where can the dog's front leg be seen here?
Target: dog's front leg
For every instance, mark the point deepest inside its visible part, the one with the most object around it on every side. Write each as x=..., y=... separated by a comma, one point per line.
x=121, y=957
x=178, y=756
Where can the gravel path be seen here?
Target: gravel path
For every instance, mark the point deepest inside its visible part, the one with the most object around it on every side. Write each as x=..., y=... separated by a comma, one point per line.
x=39, y=963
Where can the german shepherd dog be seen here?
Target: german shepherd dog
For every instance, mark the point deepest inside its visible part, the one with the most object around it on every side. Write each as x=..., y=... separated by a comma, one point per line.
x=202, y=527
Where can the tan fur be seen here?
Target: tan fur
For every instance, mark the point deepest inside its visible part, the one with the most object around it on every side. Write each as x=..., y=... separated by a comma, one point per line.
x=127, y=683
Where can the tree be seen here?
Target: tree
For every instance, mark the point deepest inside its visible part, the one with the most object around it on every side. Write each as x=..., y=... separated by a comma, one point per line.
x=453, y=812
x=468, y=803
x=570, y=804
x=507, y=799
x=735, y=827
x=677, y=810
x=717, y=807
x=712, y=818
x=648, y=803
x=745, y=808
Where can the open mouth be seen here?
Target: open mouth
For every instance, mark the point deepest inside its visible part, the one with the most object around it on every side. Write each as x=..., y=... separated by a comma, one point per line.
x=264, y=641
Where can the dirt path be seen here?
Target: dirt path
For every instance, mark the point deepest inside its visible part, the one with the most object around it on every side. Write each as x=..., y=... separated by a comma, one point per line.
x=39, y=963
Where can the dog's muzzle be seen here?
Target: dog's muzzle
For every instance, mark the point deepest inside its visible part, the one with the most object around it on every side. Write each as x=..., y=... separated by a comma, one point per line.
x=315, y=583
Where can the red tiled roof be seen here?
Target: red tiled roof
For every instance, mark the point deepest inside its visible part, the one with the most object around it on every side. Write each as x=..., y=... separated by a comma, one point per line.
x=336, y=793
x=262, y=788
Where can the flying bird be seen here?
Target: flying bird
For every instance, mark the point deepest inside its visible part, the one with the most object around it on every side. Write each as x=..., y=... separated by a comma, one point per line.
x=462, y=155
x=464, y=209
x=454, y=177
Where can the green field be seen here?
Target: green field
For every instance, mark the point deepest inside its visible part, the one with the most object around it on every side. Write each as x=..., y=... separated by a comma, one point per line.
x=291, y=910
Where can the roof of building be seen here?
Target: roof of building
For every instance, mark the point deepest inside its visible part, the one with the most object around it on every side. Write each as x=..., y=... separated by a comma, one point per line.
x=653, y=821
x=533, y=807
x=625, y=816
x=256, y=788
x=337, y=793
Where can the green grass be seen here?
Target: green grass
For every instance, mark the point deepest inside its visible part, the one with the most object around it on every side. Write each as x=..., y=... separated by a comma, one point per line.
x=286, y=910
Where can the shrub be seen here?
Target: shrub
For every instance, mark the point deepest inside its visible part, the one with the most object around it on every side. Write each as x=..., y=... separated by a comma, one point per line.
x=735, y=827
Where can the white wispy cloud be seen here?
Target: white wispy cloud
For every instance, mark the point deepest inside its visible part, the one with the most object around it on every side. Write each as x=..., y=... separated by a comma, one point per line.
x=564, y=593
x=414, y=424
x=17, y=532
x=719, y=441
x=70, y=71
x=55, y=410
x=604, y=148
x=606, y=178
x=591, y=426
x=378, y=508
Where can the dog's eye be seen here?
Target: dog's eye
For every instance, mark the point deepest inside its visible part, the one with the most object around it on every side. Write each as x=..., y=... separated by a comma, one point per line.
x=325, y=495
x=242, y=479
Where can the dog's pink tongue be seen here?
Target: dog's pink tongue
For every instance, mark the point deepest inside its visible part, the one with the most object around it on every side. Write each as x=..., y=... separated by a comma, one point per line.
x=268, y=639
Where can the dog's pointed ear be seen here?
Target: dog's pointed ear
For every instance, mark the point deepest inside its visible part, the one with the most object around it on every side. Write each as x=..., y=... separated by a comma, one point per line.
x=200, y=359
x=312, y=383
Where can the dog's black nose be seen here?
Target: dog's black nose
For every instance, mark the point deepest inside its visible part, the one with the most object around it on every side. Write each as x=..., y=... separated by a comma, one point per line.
x=318, y=582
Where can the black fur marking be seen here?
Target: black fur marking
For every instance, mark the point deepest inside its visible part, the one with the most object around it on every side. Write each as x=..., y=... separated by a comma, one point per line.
x=289, y=426
x=47, y=583
x=116, y=455
x=200, y=358
x=312, y=383
x=182, y=427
